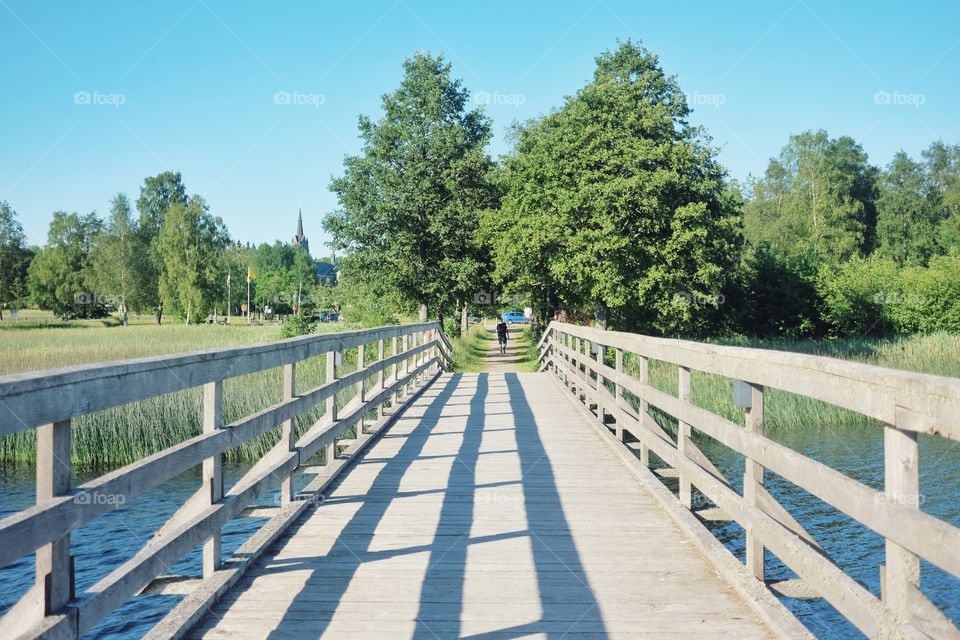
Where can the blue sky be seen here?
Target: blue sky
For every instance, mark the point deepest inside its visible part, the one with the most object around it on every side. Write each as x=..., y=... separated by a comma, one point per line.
x=99, y=95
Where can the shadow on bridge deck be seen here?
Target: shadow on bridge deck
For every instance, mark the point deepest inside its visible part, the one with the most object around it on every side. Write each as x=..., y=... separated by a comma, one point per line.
x=456, y=524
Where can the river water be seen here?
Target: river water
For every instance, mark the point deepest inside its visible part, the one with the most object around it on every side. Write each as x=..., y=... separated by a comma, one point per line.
x=104, y=544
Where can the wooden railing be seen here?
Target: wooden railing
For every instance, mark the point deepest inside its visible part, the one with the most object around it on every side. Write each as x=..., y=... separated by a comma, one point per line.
x=907, y=404
x=47, y=401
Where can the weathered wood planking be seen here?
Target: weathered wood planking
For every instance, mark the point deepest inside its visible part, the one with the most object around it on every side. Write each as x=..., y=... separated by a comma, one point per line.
x=489, y=509
x=902, y=611
x=50, y=609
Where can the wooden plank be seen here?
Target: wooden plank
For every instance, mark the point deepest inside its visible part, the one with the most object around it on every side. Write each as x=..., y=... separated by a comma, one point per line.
x=442, y=525
x=53, y=562
x=188, y=612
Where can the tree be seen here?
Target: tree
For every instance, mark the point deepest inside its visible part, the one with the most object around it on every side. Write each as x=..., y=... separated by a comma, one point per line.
x=908, y=212
x=942, y=163
x=190, y=246
x=157, y=195
x=60, y=276
x=14, y=259
x=285, y=275
x=118, y=259
x=410, y=203
x=818, y=197
x=616, y=203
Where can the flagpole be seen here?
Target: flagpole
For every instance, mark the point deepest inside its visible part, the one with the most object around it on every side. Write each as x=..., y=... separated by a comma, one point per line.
x=248, y=299
x=228, y=297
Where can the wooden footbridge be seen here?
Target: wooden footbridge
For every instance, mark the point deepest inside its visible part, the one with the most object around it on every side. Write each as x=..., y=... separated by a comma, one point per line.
x=489, y=505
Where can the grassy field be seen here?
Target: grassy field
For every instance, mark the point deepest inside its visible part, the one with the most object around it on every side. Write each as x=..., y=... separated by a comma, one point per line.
x=121, y=435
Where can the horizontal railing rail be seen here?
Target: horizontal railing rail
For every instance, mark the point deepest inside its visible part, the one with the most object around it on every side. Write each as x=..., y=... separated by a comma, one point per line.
x=49, y=400
x=906, y=403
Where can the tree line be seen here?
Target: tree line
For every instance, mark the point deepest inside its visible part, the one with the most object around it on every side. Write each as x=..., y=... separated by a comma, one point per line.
x=166, y=253
x=613, y=208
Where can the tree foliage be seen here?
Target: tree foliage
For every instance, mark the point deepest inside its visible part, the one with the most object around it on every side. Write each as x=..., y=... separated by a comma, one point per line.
x=410, y=203
x=190, y=243
x=61, y=275
x=15, y=259
x=616, y=202
x=818, y=197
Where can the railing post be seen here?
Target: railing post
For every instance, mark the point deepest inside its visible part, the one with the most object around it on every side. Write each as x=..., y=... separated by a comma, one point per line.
x=683, y=436
x=331, y=449
x=644, y=407
x=54, y=565
x=753, y=480
x=212, y=470
x=289, y=434
x=901, y=463
x=396, y=374
x=576, y=364
x=362, y=390
x=601, y=412
x=380, y=376
x=618, y=391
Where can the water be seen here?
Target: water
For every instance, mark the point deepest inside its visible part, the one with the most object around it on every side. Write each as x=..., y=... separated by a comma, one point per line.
x=104, y=544
x=858, y=452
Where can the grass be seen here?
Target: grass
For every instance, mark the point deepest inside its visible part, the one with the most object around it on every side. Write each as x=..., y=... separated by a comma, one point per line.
x=469, y=349
x=121, y=435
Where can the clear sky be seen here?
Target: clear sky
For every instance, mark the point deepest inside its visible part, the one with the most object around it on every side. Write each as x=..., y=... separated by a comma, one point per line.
x=257, y=103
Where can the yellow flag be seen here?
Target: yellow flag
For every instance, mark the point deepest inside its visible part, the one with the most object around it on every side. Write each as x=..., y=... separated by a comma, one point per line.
x=250, y=274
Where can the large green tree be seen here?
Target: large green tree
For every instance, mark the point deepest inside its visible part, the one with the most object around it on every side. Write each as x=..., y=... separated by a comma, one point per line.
x=119, y=260
x=908, y=212
x=817, y=197
x=410, y=203
x=157, y=194
x=61, y=275
x=615, y=203
x=14, y=260
x=191, y=245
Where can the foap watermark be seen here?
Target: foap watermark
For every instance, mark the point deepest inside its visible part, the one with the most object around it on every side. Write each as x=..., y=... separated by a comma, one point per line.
x=95, y=497
x=299, y=98
x=898, y=298
x=313, y=499
x=899, y=99
x=509, y=99
x=499, y=498
x=711, y=299
x=106, y=300
x=904, y=499
x=97, y=98
x=715, y=100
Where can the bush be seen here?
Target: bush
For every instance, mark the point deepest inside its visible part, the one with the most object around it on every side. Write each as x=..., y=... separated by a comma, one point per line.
x=299, y=325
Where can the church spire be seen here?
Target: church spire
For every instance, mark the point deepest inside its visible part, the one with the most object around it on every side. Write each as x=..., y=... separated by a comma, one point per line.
x=300, y=239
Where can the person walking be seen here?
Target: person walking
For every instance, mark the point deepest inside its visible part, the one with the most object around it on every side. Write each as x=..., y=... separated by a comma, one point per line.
x=502, y=332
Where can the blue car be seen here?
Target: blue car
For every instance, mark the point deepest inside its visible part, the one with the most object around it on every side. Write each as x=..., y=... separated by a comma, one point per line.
x=514, y=317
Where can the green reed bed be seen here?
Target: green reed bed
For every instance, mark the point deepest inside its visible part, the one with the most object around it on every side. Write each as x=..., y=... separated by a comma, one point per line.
x=121, y=435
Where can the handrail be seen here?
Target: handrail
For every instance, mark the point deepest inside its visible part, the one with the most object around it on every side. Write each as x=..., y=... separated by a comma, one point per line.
x=50, y=399
x=907, y=403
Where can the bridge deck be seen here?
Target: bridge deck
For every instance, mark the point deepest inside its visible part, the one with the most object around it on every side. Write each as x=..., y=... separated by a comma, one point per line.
x=489, y=510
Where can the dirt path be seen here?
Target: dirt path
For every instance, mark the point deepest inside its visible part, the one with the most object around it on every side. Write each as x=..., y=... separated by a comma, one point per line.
x=493, y=361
